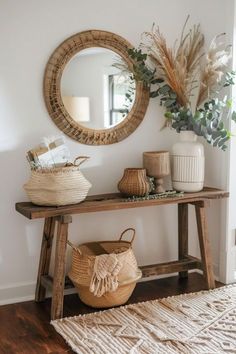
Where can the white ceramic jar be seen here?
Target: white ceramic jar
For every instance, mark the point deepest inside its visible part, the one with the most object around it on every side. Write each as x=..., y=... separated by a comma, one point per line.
x=187, y=163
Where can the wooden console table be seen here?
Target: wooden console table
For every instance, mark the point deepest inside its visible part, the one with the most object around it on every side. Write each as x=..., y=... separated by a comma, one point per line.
x=62, y=216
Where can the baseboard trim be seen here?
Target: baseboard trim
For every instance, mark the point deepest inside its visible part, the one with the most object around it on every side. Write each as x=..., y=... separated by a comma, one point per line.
x=15, y=300
x=21, y=289
x=17, y=292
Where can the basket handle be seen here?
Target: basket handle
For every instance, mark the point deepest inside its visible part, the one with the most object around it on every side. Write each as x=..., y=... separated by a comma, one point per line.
x=74, y=247
x=129, y=229
x=82, y=158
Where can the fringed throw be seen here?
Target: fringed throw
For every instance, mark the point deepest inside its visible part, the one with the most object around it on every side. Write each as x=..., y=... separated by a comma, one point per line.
x=105, y=274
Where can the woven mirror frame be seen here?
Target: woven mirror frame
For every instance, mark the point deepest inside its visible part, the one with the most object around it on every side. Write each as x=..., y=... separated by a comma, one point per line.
x=52, y=92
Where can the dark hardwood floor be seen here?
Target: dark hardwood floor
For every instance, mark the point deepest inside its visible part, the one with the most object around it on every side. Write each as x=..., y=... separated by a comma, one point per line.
x=25, y=327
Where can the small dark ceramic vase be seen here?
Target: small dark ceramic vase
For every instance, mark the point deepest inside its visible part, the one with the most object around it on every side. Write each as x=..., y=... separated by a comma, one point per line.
x=134, y=182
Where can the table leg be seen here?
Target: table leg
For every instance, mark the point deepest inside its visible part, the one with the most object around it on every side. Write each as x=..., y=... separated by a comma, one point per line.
x=207, y=264
x=183, y=234
x=45, y=256
x=59, y=267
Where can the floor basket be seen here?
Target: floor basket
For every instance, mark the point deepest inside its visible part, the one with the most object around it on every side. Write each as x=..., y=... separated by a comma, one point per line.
x=83, y=260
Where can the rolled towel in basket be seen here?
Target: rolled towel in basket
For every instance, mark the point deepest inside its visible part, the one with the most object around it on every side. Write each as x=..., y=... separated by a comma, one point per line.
x=105, y=274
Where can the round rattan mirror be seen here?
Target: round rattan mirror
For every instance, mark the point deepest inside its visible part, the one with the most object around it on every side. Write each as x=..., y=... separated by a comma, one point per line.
x=85, y=111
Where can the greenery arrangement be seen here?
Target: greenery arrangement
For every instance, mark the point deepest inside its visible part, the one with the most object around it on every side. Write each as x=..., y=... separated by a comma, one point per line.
x=188, y=81
x=166, y=194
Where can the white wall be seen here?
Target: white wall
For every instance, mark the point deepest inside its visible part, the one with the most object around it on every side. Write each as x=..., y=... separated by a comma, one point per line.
x=29, y=31
x=228, y=245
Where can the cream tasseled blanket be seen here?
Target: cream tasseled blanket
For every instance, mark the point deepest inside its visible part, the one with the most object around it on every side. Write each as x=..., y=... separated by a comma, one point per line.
x=105, y=274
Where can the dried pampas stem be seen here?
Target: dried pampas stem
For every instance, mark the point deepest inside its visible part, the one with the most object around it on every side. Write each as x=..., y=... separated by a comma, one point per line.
x=180, y=72
x=179, y=67
x=214, y=69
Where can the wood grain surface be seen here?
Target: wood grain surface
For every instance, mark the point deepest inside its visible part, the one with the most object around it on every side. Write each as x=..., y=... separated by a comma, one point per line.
x=25, y=327
x=113, y=201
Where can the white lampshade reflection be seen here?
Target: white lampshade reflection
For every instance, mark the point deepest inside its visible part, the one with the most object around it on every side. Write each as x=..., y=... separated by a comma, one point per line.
x=77, y=107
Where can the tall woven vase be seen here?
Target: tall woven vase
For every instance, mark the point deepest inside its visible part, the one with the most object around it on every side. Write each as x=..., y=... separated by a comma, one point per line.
x=187, y=163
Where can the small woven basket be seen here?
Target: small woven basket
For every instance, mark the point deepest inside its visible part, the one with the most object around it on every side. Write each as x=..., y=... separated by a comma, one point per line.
x=58, y=186
x=83, y=258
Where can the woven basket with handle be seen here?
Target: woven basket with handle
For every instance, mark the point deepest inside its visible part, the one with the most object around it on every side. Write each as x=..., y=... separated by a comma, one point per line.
x=58, y=186
x=83, y=258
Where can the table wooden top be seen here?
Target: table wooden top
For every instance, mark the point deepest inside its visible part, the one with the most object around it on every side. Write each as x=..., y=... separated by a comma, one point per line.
x=113, y=202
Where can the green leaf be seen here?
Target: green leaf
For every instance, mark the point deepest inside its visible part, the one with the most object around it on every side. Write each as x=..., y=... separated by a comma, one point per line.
x=175, y=125
x=209, y=116
x=210, y=106
x=197, y=129
x=198, y=115
x=154, y=94
x=224, y=147
x=168, y=115
x=172, y=95
x=164, y=89
x=223, y=133
x=209, y=130
x=215, y=123
x=229, y=103
x=216, y=142
x=233, y=117
x=216, y=134
x=222, y=141
x=169, y=102
x=221, y=126
x=157, y=81
x=203, y=122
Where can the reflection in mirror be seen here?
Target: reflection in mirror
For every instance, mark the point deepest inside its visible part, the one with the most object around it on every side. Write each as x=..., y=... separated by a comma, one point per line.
x=95, y=92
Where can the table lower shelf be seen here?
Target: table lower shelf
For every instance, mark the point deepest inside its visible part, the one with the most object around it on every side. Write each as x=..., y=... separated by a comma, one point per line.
x=183, y=265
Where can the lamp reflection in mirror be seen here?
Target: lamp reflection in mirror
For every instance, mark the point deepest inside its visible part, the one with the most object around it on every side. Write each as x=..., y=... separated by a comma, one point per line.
x=77, y=107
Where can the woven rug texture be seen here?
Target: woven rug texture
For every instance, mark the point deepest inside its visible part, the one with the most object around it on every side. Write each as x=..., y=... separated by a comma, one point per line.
x=196, y=323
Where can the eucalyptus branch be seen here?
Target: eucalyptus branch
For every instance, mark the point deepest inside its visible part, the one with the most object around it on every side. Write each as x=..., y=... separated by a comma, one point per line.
x=179, y=72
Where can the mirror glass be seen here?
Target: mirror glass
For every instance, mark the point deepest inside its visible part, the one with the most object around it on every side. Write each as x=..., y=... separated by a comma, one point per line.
x=97, y=90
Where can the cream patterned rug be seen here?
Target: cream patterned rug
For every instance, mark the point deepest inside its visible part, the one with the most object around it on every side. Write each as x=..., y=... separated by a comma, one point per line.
x=203, y=322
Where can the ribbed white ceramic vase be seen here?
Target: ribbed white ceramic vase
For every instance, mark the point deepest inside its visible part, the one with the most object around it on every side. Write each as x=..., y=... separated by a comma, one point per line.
x=187, y=163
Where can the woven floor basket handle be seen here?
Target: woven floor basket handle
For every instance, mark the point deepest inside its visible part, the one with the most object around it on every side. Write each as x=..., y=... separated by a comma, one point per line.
x=74, y=247
x=129, y=229
x=82, y=158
